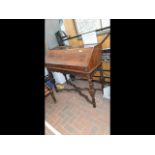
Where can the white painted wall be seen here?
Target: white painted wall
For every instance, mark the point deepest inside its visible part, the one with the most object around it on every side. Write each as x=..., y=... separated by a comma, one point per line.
x=51, y=27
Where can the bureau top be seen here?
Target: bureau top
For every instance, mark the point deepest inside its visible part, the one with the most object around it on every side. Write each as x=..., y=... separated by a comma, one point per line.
x=70, y=56
x=82, y=59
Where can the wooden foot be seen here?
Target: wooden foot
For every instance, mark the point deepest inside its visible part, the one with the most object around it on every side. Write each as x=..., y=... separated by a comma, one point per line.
x=92, y=91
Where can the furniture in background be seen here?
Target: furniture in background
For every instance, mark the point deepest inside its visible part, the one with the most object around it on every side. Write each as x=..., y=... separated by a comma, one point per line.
x=105, y=66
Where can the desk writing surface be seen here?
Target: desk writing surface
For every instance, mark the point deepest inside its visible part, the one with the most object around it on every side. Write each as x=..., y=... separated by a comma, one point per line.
x=69, y=57
x=81, y=58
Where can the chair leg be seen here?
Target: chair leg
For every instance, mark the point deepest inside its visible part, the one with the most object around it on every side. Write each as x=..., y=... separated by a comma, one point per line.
x=53, y=81
x=53, y=96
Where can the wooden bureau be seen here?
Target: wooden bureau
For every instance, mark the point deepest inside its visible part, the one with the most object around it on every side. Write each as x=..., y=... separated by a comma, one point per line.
x=82, y=60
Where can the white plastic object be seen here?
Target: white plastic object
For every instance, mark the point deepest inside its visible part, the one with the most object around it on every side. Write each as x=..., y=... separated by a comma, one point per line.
x=59, y=77
x=45, y=72
x=106, y=92
x=89, y=38
x=68, y=76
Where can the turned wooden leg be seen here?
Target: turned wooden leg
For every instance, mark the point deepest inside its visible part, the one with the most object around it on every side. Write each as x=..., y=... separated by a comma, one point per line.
x=102, y=79
x=91, y=90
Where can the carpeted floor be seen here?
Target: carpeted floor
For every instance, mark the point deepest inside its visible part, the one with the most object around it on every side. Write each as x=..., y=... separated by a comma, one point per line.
x=74, y=115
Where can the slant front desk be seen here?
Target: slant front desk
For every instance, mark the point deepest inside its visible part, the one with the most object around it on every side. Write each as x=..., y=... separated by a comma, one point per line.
x=82, y=61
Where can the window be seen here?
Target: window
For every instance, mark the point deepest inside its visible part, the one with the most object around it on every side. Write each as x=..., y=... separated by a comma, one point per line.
x=87, y=25
x=105, y=22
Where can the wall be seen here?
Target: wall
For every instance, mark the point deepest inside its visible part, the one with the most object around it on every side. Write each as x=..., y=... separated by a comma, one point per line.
x=51, y=27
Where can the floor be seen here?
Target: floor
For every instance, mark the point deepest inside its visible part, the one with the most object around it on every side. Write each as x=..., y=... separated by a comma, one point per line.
x=48, y=132
x=74, y=115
